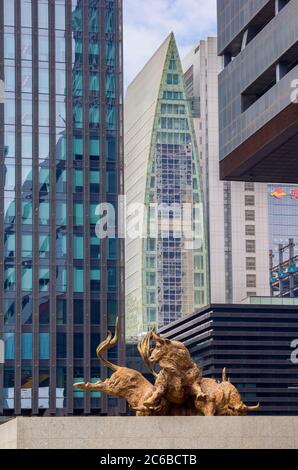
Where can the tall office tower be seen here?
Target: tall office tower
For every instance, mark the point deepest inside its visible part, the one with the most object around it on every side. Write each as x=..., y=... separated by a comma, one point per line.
x=258, y=92
x=166, y=271
x=237, y=212
x=61, y=155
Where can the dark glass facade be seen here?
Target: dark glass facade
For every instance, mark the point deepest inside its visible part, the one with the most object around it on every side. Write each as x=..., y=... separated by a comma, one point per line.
x=61, y=156
x=254, y=342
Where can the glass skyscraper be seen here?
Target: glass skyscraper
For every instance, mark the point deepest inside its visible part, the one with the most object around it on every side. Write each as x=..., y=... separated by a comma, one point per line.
x=60, y=156
x=166, y=275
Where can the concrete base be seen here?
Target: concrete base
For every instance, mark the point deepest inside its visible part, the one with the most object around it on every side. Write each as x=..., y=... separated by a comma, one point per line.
x=150, y=433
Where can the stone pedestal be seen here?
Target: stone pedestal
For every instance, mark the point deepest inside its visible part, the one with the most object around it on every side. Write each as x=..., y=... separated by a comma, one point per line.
x=150, y=433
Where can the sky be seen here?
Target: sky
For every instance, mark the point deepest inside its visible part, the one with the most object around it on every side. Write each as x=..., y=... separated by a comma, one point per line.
x=148, y=22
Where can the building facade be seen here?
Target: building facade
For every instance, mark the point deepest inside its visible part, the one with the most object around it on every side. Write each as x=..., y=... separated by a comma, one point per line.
x=237, y=213
x=254, y=342
x=166, y=268
x=284, y=271
x=258, y=95
x=283, y=217
x=60, y=156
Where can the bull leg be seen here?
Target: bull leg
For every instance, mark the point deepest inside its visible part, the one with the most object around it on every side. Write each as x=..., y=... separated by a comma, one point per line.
x=154, y=399
x=198, y=393
x=208, y=408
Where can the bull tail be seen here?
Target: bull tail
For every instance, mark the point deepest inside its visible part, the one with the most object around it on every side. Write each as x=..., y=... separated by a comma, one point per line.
x=108, y=343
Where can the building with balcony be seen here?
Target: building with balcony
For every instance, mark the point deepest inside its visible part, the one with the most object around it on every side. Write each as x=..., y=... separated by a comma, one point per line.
x=258, y=90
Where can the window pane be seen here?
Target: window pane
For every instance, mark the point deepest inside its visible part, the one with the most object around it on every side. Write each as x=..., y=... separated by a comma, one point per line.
x=9, y=346
x=26, y=13
x=44, y=279
x=94, y=247
x=60, y=80
x=43, y=51
x=60, y=14
x=94, y=181
x=44, y=311
x=95, y=312
x=44, y=246
x=112, y=311
x=93, y=215
x=10, y=243
x=9, y=45
x=61, y=279
x=78, y=312
x=43, y=14
x=27, y=279
x=27, y=212
x=43, y=146
x=44, y=346
x=61, y=213
x=95, y=280
x=78, y=247
x=44, y=179
x=94, y=149
x=27, y=309
x=78, y=280
x=9, y=279
x=111, y=149
x=61, y=244
x=61, y=311
x=78, y=181
x=94, y=82
x=61, y=345
x=26, y=144
x=78, y=214
x=9, y=78
x=26, y=50
x=111, y=182
x=9, y=312
x=60, y=48
x=95, y=341
x=27, y=246
x=61, y=145
x=44, y=213
x=61, y=181
x=112, y=248
x=26, y=345
x=9, y=12
x=112, y=278
x=78, y=345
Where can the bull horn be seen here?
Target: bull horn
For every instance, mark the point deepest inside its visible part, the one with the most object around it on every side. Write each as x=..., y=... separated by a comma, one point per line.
x=144, y=351
x=224, y=375
x=155, y=336
x=253, y=408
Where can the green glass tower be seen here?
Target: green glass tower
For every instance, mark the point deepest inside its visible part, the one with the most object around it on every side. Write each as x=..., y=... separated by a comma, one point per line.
x=167, y=271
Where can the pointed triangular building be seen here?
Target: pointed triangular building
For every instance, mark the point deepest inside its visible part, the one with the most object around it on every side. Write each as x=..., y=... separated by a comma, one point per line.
x=166, y=265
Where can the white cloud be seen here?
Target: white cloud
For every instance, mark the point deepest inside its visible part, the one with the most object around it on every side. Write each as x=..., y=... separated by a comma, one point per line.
x=148, y=22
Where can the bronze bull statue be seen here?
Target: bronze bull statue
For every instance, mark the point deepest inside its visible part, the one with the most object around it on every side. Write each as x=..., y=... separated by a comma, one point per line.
x=179, y=387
